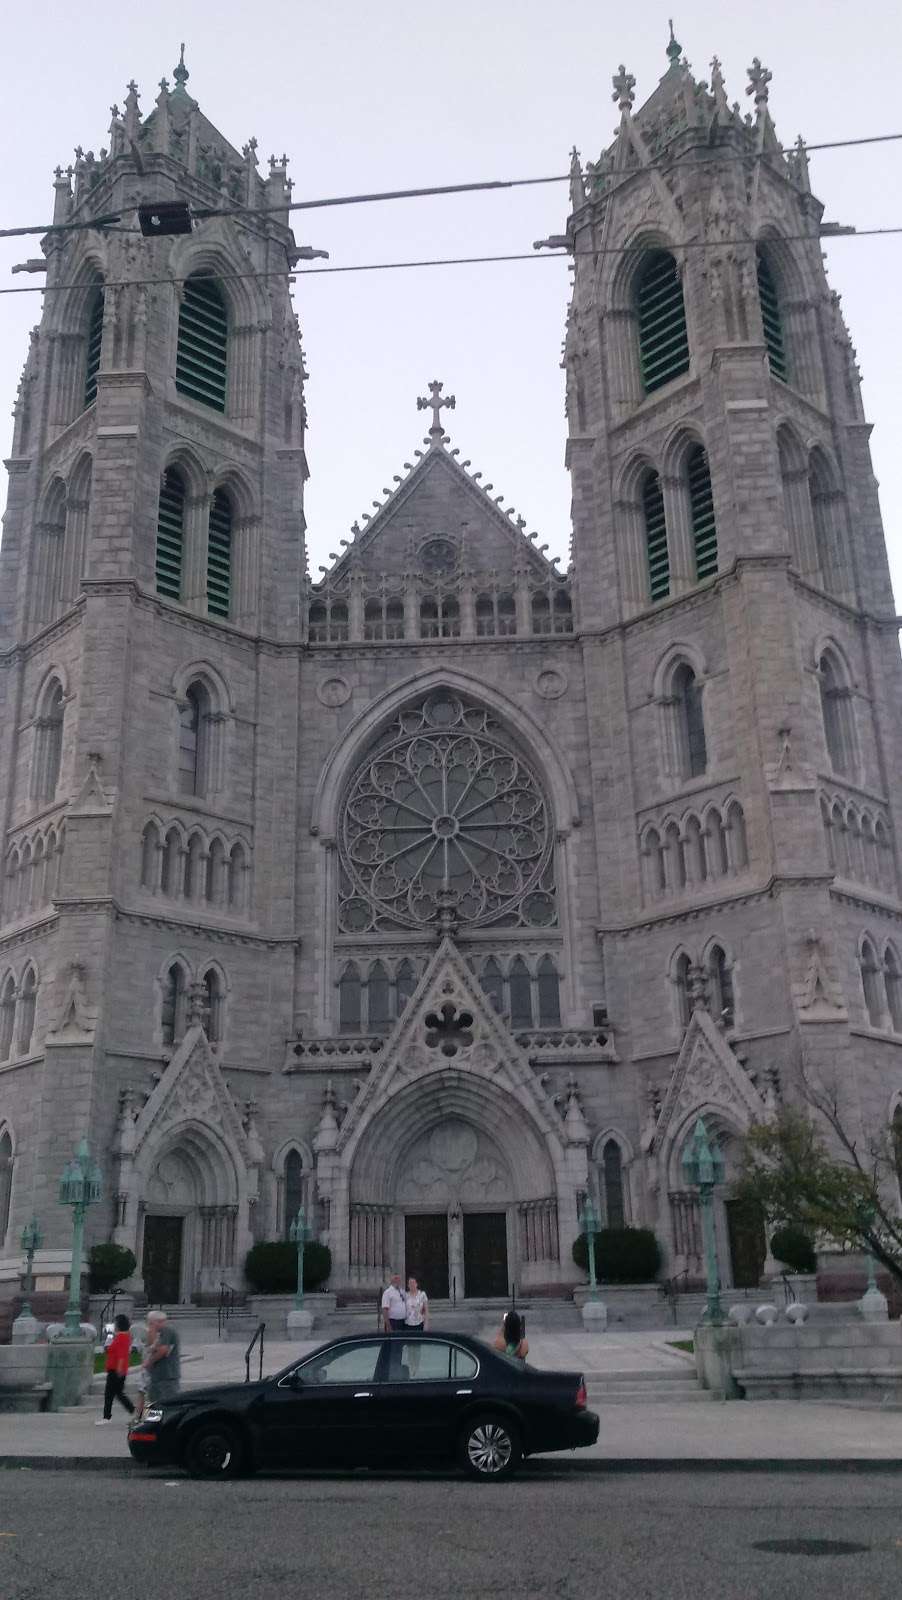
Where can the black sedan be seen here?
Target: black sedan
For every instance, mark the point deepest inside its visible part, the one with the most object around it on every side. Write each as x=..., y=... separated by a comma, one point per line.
x=391, y=1400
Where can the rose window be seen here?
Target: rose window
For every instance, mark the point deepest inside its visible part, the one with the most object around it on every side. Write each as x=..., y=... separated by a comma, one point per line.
x=444, y=817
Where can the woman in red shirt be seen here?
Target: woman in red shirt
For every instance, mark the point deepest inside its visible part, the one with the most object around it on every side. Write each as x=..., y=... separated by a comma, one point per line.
x=117, y=1362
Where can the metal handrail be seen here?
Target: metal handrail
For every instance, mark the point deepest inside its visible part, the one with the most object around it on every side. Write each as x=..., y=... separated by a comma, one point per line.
x=789, y=1295
x=261, y=1326
x=670, y=1290
x=225, y=1307
x=107, y=1312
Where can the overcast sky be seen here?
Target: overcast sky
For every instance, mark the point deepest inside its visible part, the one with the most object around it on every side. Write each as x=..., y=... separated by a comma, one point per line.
x=409, y=94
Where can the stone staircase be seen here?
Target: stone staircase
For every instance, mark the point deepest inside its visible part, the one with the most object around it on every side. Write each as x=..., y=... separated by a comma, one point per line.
x=651, y=1387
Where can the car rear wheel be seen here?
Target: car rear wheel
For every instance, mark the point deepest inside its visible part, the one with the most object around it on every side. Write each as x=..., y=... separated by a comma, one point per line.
x=214, y=1450
x=489, y=1448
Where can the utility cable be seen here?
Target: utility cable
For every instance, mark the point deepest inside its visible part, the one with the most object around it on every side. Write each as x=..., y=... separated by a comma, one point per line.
x=206, y=212
x=451, y=261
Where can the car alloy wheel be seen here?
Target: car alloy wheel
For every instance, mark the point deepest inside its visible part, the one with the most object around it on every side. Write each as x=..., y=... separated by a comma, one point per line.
x=491, y=1449
x=213, y=1452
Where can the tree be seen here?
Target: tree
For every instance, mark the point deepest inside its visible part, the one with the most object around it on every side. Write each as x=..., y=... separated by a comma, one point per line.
x=843, y=1190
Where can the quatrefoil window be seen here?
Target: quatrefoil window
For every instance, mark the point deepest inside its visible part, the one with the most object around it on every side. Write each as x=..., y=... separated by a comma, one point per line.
x=449, y=1030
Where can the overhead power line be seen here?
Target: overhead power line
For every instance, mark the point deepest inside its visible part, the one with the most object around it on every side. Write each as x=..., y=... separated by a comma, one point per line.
x=452, y=261
x=434, y=190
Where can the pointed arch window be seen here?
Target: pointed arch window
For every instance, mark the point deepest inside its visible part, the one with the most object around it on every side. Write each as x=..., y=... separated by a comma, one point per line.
x=892, y=972
x=237, y=870
x=194, y=718
x=492, y=980
x=701, y=508
x=681, y=983
x=693, y=750
x=6, y=1182
x=612, y=1185
x=520, y=990
x=771, y=318
x=219, y=556
x=721, y=980
x=170, y=534
x=94, y=340
x=201, y=363
x=661, y=318
x=897, y=1145
x=50, y=546
x=549, y=994
x=836, y=710
x=294, y=1188
x=349, y=1000
x=214, y=1005
x=870, y=983
x=26, y=1010
x=49, y=752
x=7, y=1017
x=656, y=551
x=378, y=995
x=405, y=983
x=173, y=1010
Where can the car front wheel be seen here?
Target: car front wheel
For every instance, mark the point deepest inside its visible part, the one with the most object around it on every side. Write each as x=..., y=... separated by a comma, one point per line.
x=489, y=1448
x=214, y=1450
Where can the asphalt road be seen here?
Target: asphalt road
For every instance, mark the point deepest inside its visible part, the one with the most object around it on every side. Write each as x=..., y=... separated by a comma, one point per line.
x=550, y=1534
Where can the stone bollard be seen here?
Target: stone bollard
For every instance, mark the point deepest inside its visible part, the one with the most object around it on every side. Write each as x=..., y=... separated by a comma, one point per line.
x=595, y=1316
x=70, y=1368
x=797, y=1313
x=26, y=1329
x=767, y=1315
x=299, y=1323
x=873, y=1305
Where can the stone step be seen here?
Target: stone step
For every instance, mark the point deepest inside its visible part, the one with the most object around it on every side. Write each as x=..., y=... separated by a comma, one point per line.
x=646, y=1396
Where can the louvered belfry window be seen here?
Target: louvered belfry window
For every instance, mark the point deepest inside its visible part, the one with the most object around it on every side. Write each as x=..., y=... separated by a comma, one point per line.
x=170, y=534
x=771, y=318
x=95, y=339
x=661, y=313
x=655, y=537
x=202, y=356
x=701, y=503
x=219, y=556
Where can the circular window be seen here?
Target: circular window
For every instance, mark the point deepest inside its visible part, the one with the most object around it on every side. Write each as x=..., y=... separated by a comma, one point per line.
x=438, y=558
x=442, y=816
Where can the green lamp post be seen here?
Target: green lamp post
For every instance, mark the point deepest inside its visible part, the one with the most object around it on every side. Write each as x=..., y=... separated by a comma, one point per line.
x=703, y=1169
x=299, y=1233
x=591, y=1226
x=32, y=1240
x=81, y=1186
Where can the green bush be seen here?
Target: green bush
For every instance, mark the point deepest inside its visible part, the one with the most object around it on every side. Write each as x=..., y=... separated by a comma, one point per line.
x=794, y=1248
x=271, y=1267
x=108, y=1265
x=622, y=1255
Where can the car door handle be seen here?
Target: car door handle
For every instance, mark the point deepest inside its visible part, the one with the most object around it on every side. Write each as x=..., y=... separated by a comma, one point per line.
x=363, y=1394
x=464, y=1391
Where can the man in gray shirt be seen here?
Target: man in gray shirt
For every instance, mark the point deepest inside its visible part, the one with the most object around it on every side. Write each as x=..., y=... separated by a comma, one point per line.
x=164, y=1359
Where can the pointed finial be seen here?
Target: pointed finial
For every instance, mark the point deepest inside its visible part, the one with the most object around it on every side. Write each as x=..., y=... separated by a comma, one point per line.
x=624, y=84
x=181, y=73
x=759, y=78
x=674, y=48
x=577, y=182
x=164, y=87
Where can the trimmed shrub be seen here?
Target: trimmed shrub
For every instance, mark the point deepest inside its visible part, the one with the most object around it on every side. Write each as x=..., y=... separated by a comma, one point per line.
x=794, y=1248
x=109, y=1264
x=271, y=1267
x=622, y=1255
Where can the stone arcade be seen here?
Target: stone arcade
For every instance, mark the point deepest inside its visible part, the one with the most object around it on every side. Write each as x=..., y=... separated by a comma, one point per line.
x=452, y=887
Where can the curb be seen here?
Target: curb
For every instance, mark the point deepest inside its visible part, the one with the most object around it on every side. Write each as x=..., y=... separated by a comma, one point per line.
x=538, y=1465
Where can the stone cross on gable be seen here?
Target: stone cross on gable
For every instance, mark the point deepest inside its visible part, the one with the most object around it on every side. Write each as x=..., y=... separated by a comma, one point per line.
x=434, y=404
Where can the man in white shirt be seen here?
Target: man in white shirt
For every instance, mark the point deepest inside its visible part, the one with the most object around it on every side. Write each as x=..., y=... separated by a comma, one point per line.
x=394, y=1306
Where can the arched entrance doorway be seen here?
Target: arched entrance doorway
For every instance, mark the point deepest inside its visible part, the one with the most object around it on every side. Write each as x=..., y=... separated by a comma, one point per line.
x=188, y=1218
x=451, y=1181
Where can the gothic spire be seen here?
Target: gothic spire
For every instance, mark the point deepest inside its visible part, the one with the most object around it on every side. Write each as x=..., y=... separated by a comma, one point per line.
x=180, y=72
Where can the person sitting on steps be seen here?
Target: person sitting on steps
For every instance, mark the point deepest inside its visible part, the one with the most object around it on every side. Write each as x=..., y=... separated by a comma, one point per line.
x=510, y=1339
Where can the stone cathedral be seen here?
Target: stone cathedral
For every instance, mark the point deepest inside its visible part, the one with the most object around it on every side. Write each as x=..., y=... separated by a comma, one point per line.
x=447, y=890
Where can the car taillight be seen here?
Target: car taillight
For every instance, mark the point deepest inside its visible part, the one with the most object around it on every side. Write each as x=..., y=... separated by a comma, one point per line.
x=582, y=1399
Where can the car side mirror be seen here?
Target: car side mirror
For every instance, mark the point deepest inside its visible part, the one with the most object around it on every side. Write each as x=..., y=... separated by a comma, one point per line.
x=296, y=1381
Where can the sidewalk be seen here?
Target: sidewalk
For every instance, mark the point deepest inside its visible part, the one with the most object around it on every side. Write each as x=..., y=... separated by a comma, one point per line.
x=641, y=1435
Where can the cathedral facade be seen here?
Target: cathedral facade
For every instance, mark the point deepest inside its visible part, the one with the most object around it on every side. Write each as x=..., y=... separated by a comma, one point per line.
x=449, y=890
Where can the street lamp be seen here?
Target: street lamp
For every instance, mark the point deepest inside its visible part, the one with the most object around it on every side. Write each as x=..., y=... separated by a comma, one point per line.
x=591, y=1225
x=32, y=1240
x=299, y=1233
x=703, y=1169
x=81, y=1185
